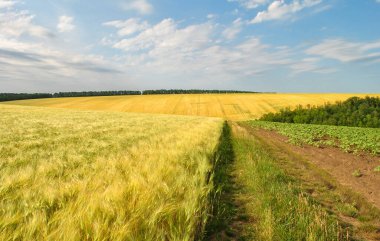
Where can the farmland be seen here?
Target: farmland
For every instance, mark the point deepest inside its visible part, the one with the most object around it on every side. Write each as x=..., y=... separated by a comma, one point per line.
x=349, y=139
x=84, y=169
x=80, y=175
x=273, y=197
x=228, y=106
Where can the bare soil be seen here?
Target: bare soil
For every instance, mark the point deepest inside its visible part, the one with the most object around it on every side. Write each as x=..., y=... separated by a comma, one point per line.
x=339, y=164
x=327, y=175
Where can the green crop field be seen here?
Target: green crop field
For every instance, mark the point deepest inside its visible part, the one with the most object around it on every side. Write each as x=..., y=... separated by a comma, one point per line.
x=228, y=106
x=80, y=175
x=347, y=138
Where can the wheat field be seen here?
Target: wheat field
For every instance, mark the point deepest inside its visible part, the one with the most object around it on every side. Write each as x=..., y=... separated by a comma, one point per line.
x=82, y=175
x=228, y=106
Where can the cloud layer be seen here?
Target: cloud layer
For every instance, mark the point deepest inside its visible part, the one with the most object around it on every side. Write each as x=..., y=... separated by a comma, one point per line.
x=65, y=24
x=141, y=6
x=281, y=10
x=142, y=51
x=345, y=51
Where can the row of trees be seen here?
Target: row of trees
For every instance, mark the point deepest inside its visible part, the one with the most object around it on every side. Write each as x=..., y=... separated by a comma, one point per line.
x=95, y=93
x=192, y=91
x=361, y=112
x=22, y=96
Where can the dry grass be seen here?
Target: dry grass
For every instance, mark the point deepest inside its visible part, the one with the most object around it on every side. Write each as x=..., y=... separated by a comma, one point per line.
x=80, y=175
x=228, y=106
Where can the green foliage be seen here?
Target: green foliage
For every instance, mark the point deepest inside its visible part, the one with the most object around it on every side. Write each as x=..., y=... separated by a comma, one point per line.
x=349, y=139
x=281, y=210
x=22, y=96
x=96, y=93
x=377, y=169
x=357, y=173
x=193, y=91
x=221, y=198
x=348, y=210
x=360, y=112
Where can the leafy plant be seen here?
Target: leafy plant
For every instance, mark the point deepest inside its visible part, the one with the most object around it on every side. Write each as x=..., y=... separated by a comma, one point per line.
x=349, y=139
x=357, y=173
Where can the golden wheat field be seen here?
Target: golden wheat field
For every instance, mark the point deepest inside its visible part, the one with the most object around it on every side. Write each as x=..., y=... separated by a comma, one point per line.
x=228, y=106
x=82, y=175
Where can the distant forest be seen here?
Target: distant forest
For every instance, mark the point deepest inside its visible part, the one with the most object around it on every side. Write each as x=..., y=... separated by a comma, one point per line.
x=360, y=112
x=194, y=91
x=23, y=96
x=13, y=96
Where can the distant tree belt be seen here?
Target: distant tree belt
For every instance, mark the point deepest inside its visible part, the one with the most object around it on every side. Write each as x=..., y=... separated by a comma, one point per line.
x=360, y=112
x=23, y=96
x=96, y=93
x=193, y=91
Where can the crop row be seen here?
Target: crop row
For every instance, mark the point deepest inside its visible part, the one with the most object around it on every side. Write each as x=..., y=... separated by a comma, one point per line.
x=350, y=139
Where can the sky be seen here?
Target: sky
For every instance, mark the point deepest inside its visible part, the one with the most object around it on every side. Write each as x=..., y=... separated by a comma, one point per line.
x=255, y=45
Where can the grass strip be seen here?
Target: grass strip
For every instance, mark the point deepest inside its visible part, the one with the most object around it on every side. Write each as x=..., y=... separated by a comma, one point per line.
x=279, y=208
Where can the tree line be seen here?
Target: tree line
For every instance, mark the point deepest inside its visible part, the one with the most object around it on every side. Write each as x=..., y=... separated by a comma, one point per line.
x=192, y=91
x=360, y=112
x=23, y=96
x=95, y=93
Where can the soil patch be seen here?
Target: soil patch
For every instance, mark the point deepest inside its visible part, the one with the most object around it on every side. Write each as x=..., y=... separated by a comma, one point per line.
x=351, y=170
x=326, y=174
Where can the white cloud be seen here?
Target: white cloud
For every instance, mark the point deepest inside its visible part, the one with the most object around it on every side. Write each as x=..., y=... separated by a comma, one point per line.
x=232, y=31
x=345, y=51
x=211, y=16
x=65, y=24
x=141, y=6
x=17, y=23
x=250, y=4
x=34, y=64
x=128, y=27
x=166, y=35
x=310, y=65
x=193, y=52
x=279, y=9
x=6, y=3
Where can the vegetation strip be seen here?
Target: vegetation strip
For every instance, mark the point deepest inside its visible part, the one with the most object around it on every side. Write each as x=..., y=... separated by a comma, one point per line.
x=253, y=199
x=227, y=215
x=360, y=112
x=352, y=209
x=349, y=139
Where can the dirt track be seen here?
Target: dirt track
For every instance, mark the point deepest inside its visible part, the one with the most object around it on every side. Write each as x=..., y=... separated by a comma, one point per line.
x=339, y=164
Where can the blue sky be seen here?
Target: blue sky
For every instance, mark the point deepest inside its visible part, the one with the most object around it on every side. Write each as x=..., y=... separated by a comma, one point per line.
x=258, y=45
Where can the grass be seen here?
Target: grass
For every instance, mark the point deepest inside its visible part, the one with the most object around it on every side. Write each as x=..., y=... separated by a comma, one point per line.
x=221, y=198
x=228, y=106
x=349, y=139
x=81, y=175
x=274, y=200
x=356, y=214
x=357, y=173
